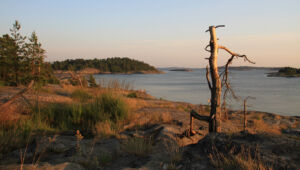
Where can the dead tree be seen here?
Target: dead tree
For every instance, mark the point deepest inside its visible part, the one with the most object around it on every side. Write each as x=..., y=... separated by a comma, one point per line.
x=215, y=85
x=4, y=106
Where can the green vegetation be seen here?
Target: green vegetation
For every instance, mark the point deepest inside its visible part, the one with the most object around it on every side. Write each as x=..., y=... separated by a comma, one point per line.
x=22, y=59
x=64, y=116
x=286, y=72
x=92, y=81
x=80, y=95
x=132, y=95
x=111, y=65
x=289, y=71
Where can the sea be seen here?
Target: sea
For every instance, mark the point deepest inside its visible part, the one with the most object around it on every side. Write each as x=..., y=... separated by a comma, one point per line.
x=278, y=95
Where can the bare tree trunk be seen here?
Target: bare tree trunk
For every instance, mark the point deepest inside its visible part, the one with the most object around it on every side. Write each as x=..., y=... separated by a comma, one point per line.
x=215, y=86
x=215, y=109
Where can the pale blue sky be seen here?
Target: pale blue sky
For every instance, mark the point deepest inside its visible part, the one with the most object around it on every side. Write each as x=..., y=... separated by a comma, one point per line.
x=162, y=33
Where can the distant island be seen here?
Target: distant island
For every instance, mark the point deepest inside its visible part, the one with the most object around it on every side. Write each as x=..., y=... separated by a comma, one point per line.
x=114, y=65
x=181, y=69
x=286, y=72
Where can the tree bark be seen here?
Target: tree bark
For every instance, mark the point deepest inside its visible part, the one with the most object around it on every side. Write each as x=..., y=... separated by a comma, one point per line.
x=215, y=111
x=215, y=85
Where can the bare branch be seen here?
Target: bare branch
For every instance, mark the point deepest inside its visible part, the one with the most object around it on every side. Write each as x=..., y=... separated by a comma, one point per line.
x=218, y=26
x=236, y=54
x=207, y=78
x=207, y=47
x=199, y=117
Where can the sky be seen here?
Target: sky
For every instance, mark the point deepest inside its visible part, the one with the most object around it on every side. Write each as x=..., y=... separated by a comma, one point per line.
x=163, y=33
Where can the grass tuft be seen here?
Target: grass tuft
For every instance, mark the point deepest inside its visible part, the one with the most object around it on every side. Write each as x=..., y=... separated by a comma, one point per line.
x=80, y=95
x=137, y=146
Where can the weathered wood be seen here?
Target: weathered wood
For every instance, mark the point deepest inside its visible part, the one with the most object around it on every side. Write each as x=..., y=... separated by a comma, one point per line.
x=216, y=84
x=199, y=117
x=215, y=111
x=192, y=132
x=16, y=96
x=194, y=114
x=76, y=77
x=207, y=78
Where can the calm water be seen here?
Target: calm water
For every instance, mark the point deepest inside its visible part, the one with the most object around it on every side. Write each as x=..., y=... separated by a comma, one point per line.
x=276, y=95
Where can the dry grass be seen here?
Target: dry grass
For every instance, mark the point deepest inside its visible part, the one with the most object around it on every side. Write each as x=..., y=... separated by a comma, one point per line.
x=243, y=160
x=260, y=126
x=105, y=130
x=160, y=118
x=137, y=146
x=175, y=151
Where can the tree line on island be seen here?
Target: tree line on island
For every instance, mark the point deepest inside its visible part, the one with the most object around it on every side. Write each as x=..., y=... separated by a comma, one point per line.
x=109, y=65
x=22, y=59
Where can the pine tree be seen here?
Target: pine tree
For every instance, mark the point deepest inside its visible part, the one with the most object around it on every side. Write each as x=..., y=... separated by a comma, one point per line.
x=19, y=55
x=35, y=58
x=8, y=49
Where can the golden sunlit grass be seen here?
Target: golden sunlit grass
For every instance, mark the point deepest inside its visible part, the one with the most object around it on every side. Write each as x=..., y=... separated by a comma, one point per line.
x=243, y=160
x=105, y=130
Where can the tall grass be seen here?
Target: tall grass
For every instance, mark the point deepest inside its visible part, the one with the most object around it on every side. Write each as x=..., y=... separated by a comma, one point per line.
x=14, y=135
x=83, y=116
x=81, y=95
x=137, y=146
x=116, y=84
x=245, y=159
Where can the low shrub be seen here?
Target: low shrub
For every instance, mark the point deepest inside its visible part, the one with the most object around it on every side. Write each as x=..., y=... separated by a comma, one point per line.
x=113, y=107
x=132, y=95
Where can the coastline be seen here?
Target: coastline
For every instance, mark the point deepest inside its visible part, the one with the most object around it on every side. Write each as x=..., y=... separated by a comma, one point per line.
x=276, y=74
x=164, y=122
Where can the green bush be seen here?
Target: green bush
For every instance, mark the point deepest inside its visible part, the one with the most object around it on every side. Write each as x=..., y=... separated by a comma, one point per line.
x=289, y=70
x=114, y=107
x=132, y=95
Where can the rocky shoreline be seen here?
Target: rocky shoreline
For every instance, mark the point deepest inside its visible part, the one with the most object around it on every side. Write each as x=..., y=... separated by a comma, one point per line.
x=160, y=130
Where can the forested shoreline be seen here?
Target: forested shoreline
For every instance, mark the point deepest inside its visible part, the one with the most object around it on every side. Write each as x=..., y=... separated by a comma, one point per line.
x=109, y=65
x=22, y=59
x=286, y=72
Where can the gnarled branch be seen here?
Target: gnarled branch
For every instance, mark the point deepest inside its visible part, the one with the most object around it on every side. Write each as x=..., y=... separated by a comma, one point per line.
x=236, y=54
x=16, y=96
x=199, y=117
